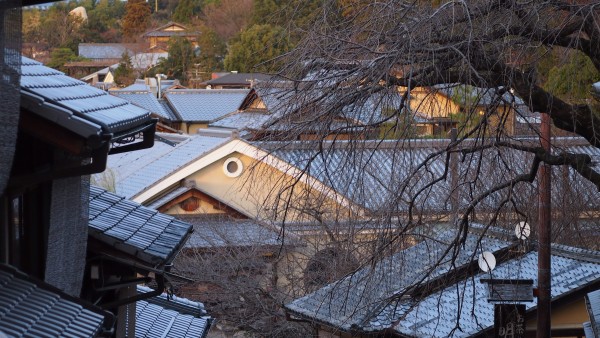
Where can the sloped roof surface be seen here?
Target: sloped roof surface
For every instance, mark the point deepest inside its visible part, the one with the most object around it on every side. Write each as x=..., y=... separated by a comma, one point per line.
x=242, y=120
x=354, y=299
x=436, y=315
x=292, y=107
x=350, y=301
x=593, y=305
x=143, y=232
x=204, y=105
x=144, y=99
x=51, y=88
x=107, y=50
x=220, y=232
x=371, y=173
x=30, y=308
x=239, y=79
x=175, y=317
x=179, y=304
x=136, y=171
x=464, y=94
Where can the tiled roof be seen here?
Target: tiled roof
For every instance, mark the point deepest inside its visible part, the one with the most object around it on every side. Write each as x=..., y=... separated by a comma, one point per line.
x=239, y=79
x=107, y=50
x=476, y=95
x=588, y=330
x=373, y=172
x=144, y=99
x=593, y=305
x=137, y=230
x=242, y=120
x=219, y=232
x=74, y=102
x=168, y=109
x=353, y=299
x=175, y=317
x=30, y=308
x=204, y=105
x=137, y=86
x=136, y=171
x=349, y=302
x=179, y=304
x=292, y=107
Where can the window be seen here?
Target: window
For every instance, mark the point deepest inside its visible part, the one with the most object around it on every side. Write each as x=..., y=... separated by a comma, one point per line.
x=233, y=167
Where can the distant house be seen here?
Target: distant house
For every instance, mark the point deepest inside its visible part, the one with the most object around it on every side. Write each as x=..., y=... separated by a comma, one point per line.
x=142, y=96
x=273, y=112
x=345, y=181
x=103, y=78
x=196, y=108
x=109, y=52
x=105, y=57
x=445, y=106
x=409, y=295
x=157, y=39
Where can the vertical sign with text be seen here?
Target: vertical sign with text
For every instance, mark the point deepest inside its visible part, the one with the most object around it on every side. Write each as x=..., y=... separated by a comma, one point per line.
x=509, y=321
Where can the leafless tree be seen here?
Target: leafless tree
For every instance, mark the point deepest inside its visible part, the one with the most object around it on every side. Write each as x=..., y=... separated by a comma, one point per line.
x=380, y=49
x=371, y=56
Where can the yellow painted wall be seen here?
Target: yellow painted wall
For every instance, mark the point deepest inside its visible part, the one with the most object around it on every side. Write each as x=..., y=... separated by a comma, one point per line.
x=192, y=128
x=260, y=192
x=431, y=104
x=571, y=315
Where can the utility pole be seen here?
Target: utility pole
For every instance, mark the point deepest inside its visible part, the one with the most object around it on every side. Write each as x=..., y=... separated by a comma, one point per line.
x=544, y=238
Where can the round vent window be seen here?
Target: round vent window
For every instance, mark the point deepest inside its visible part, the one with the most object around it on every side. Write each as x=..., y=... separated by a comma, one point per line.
x=233, y=167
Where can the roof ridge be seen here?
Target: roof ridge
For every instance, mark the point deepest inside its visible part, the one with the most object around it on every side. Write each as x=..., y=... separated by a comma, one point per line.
x=581, y=254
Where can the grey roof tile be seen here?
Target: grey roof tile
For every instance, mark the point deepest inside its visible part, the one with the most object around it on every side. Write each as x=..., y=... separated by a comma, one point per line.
x=146, y=100
x=32, y=308
x=78, y=99
x=219, y=232
x=204, y=105
x=179, y=304
x=431, y=318
x=143, y=232
x=353, y=299
x=363, y=303
x=242, y=120
x=372, y=173
x=593, y=305
x=239, y=79
x=136, y=171
x=108, y=50
x=178, y=317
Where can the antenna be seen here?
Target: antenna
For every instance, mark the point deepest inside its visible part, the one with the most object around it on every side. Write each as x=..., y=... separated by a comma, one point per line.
x=487, y=261
x=522, y=230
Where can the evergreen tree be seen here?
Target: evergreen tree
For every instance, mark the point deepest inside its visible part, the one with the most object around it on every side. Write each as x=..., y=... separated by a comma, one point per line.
x=256, y=48
x=212, y=51
x=180, y=60
x=136, y=19
x=124, y=73
x=571, y=81
x=60, y=56
x=186, y=10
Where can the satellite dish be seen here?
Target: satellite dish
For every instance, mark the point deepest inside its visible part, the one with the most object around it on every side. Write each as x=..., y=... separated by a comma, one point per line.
x=522, y=230
x=487, y=261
